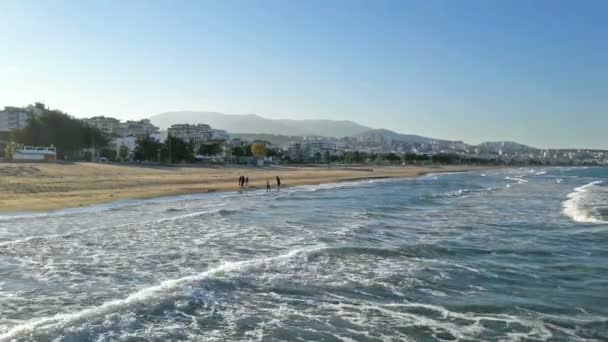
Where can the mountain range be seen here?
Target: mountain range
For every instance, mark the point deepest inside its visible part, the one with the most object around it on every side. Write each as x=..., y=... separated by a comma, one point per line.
x=251, y=125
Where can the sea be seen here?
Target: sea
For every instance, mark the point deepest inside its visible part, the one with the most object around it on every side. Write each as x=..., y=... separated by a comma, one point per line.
x=502, y=255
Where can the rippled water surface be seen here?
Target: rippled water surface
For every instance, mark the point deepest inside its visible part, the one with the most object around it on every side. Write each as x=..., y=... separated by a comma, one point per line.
x=515, y=254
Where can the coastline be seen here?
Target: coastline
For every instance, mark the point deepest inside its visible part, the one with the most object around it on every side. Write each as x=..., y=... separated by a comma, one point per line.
x=35, y=187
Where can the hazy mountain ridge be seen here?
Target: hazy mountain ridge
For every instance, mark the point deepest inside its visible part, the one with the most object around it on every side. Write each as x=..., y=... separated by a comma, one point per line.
x=251, y=123
x=398, y=137
x=506, y=145
x=281, y=130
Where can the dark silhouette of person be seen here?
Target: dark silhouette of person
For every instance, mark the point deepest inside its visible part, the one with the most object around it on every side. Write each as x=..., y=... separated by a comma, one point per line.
x=267, y=185
x=247, y=181
x=241, y=181
x=278, y=183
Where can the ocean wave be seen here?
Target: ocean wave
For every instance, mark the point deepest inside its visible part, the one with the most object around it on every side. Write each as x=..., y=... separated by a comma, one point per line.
x=459, y=193
x=148, y=296
x=220, y=212
x=588, y=203
x=519, y=179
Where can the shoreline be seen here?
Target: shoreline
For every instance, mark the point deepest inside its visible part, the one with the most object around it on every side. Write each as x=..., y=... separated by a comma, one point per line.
x=34, y=188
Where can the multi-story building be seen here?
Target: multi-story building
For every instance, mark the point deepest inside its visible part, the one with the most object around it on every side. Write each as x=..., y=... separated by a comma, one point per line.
x=12, y=118
x=116, y=128
x=105, y=124
x=192, y=133
x=311, y=148
x=136, y=128
x=220, y=134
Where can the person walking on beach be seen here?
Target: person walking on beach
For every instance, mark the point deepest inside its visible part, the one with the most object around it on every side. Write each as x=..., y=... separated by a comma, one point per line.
x=246, y=180
x=241, y=181
x=278, y=183
x=267, y=185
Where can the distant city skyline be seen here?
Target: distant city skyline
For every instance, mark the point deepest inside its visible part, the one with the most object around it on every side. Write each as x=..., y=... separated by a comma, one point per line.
x=534, y=72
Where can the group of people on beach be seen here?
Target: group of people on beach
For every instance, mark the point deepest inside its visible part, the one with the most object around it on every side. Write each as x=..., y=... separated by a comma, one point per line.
x=244, y=182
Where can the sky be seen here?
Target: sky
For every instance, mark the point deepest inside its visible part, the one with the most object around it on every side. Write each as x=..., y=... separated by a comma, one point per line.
x=531, y=71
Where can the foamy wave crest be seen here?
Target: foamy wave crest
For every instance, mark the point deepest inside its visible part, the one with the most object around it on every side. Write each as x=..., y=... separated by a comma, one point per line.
x=588, y=203
x=221, y=212
x=146, y=297
x=519, y=180
x=459, y=193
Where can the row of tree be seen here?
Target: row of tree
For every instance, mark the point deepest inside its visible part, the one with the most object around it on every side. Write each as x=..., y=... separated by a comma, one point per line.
x=76, y=140
x=357, y=157
x=55, y=128
x=172, y=150
x=175, y=150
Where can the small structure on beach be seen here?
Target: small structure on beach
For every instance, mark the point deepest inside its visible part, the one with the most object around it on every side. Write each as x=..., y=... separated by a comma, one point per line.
x=32, y=153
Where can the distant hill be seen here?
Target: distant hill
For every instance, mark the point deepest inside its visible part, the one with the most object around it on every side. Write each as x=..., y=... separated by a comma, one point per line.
x=251, y=123
x=505, y=147
x=390, y=136
x=275, y=139
x=282, y=131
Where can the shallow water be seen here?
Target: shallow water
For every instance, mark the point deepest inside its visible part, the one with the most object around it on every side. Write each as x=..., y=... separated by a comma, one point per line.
x=500, y=255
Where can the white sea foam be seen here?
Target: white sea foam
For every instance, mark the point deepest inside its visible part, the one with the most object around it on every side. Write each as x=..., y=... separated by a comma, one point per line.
x=85, y=231
x=146, y=296
x=519, y=180
x=583, y=203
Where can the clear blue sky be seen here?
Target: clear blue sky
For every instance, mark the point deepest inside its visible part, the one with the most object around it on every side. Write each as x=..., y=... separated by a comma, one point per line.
x=530, y=71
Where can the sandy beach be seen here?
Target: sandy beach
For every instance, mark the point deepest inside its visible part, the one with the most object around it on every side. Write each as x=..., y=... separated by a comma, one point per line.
x=41, y=187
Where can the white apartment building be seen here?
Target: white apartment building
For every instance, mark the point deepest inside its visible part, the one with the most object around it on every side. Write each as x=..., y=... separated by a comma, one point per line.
x=191, y=133
x=12, y=118
x=117, y=128
x=220, y=134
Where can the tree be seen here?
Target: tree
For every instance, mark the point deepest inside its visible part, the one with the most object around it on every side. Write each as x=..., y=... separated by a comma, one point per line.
x=176, y=150
x=108, y=153
x=122, y=153
x=210, y=149
x=146, y=148
x=237, y=151
x=67, y=134
x=8, y=150
x=326, y=157
x=242, y=151
x=444, y=158
x=393, y=158
x=258, y=150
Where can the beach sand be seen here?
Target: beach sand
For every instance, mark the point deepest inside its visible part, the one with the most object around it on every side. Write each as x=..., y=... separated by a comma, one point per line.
x=41, y=187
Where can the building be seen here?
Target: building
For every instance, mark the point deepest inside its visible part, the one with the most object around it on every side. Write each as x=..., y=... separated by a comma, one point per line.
x=220, y=134
x=12, y=118
x=136, y=128
x=117, y=128
x=104, y=124
x=191, y=133
x=131, y=141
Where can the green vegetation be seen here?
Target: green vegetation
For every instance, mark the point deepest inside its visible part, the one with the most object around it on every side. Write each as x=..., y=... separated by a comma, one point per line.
x=147, y=149
x=122, y=153
x=176, y=150
x=173, y=150
x=242, y=151
x=210, y=149
x=68, y=134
